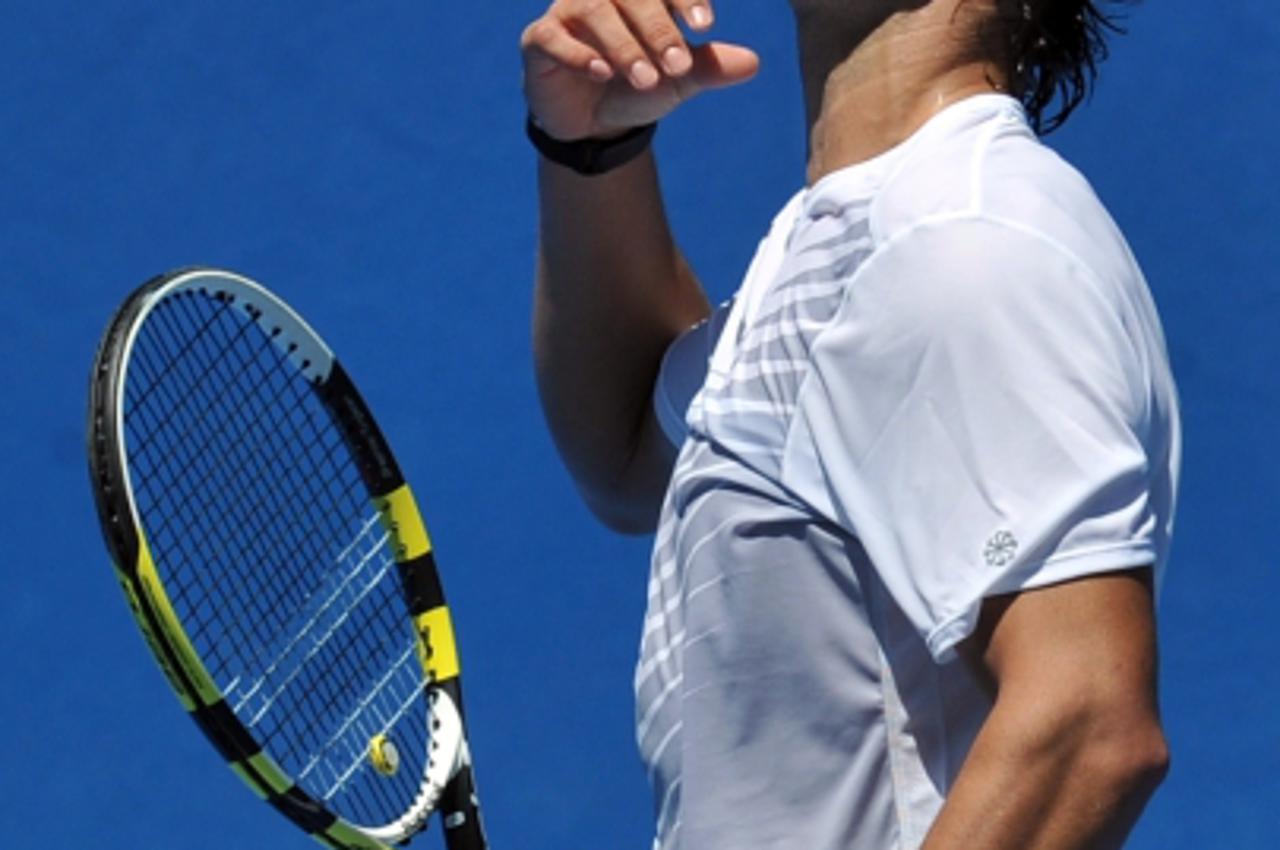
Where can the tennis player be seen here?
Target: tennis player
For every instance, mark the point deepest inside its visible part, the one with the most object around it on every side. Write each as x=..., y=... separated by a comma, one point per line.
x=913, y=486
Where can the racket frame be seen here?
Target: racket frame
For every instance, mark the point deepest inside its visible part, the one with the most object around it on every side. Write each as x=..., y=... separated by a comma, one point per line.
x=448, y=782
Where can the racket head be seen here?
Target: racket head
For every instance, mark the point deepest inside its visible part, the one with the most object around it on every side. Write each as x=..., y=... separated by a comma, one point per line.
x=276, y=561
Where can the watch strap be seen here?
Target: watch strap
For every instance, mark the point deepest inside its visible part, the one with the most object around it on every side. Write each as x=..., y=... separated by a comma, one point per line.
x=591, y=156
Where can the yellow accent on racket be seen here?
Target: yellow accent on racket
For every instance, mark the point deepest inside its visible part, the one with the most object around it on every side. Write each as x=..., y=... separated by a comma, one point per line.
x=399, y=513
x=437, y=648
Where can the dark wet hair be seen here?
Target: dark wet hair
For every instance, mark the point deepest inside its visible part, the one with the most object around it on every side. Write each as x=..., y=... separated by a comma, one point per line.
x=1050, y=51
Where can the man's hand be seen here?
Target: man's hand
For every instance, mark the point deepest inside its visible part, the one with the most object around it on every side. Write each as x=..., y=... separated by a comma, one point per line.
x=594, y=68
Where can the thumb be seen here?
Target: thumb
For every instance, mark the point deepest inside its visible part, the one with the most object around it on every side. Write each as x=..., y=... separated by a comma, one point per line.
x=718, y=64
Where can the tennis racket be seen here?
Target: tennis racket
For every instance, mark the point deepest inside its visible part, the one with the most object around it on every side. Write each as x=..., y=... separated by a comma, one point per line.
x=277, y=564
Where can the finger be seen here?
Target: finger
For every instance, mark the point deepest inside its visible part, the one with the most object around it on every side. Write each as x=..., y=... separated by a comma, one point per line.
x=547, y=46
x=653, y=26
x=602, y=25
x=696, y=13
x=717, y=64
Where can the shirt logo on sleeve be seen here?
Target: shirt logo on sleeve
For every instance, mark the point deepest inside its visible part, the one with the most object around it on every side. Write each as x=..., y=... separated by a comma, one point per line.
x=1000, y=549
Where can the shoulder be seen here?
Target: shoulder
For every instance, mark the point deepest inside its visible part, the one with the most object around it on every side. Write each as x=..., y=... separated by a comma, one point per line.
x=990, y=287
x=993, y=168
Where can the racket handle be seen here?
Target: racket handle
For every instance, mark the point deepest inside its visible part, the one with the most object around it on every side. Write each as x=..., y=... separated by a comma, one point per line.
x=460, y=813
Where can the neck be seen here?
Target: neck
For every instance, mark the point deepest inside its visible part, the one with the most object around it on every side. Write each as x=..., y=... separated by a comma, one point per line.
x=870, y=84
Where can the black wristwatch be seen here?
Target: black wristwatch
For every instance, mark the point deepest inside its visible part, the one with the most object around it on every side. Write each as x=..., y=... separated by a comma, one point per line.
x=591, y=156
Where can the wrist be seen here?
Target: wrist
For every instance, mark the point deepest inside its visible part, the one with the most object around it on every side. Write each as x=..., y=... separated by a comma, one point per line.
x=594, y=155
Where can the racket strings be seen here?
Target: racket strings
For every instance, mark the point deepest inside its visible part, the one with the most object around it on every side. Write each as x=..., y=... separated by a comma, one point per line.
x=255, y=522
x=250, y=364
x=185, y=460
x=298, y=565
x=318, y=626
x=246, y=537
x=378, y=716
x=309, y=621
x=199, y=462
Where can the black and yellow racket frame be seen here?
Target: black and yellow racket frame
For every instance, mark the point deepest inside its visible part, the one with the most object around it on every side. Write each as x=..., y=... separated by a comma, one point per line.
x=168, y=640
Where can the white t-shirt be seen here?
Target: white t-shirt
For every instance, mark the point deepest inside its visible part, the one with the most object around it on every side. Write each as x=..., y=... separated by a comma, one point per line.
x=943, y=378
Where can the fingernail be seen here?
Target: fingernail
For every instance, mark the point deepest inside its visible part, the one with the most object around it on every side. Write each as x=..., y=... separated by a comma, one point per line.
x=700, y=17
x=599, y=69
x=643, y=74
x=676, y=60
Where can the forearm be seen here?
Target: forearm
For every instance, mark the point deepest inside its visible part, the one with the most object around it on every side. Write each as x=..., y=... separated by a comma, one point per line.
x=612, y=291
x=1028, y=784
x=612, y=288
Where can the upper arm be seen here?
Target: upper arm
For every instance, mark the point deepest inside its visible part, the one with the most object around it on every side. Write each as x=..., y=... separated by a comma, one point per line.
x=1074, y=646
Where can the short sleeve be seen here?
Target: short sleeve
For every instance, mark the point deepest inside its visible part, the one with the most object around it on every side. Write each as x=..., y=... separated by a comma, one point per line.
x=977, y=417
x=684, y=371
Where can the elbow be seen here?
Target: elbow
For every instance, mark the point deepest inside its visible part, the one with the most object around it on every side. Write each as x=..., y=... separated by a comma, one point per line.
x=622, y=514
x=1120, y=756
x=629, y=499
x=1132, y=760
x=1113, y=752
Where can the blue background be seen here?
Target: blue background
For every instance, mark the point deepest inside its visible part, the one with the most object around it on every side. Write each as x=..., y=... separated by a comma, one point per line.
x=366, y=160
